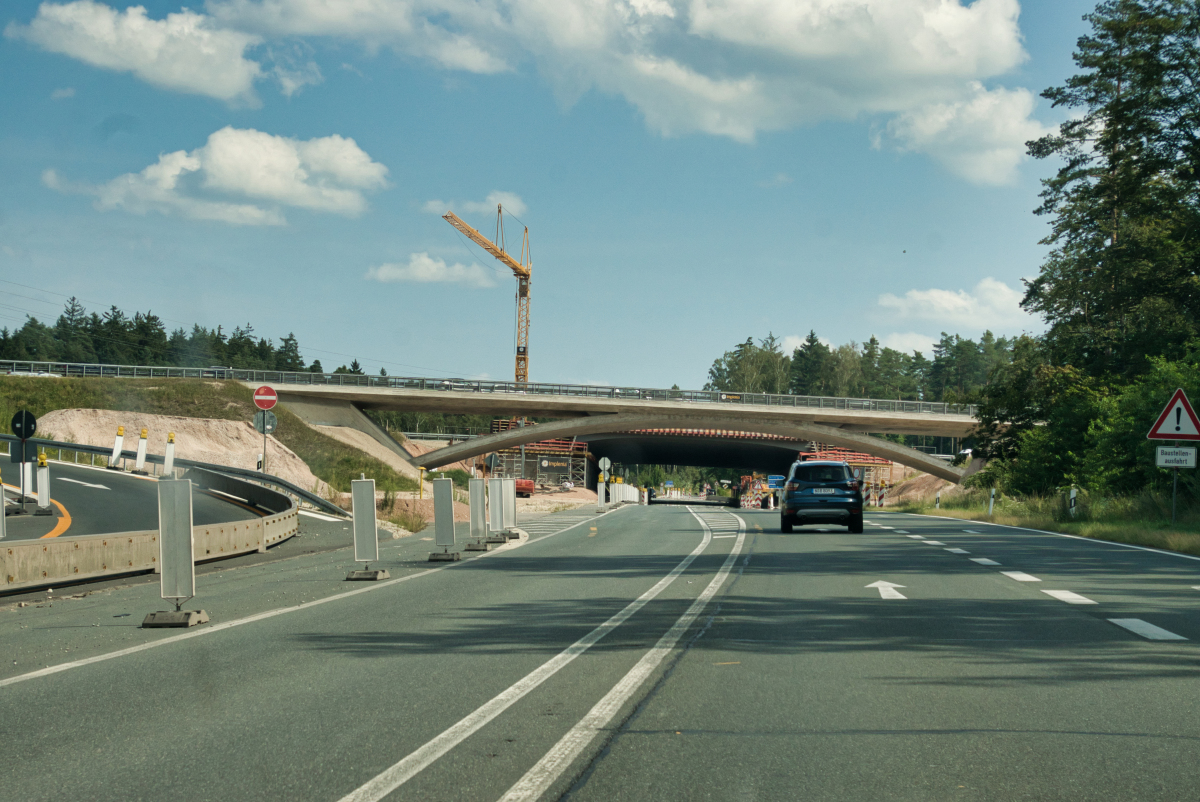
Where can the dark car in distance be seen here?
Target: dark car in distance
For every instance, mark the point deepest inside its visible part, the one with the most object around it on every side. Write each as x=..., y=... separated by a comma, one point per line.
x=821, y=492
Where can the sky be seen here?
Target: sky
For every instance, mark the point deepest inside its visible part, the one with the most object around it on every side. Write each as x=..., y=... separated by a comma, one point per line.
x=692, y=173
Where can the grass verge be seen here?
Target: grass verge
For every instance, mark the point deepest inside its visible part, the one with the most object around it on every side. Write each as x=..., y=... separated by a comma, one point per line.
x=330, y=460
x=1140, y=521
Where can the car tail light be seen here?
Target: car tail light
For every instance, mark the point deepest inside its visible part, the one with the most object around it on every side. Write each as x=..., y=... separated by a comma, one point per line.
x=791, y=487
x=853, y=484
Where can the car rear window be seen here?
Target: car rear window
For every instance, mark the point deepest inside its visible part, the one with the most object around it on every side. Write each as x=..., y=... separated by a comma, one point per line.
x=820, y=473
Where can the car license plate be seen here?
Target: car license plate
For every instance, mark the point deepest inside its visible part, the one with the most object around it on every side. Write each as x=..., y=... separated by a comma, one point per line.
x=827, y=491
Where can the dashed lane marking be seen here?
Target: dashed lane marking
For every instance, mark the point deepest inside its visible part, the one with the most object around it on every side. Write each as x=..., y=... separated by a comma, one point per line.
x=1069, y=597
x=917, y=537
x=958, y=551
x=934, y=543
x=1020, y=576
x=984, y=561
x=1144, y=628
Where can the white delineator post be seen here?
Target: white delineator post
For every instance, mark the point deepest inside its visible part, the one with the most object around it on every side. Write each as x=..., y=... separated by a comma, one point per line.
x=991, y=502
x=366, y=530
x=26, y=481
x=176, y=559
x=1074, y=493
x=43, y=487
x=495, y=493
x=510, y=508
x=169, y=456
x=139, y=465
x=600, y=486
x=443, y=521
x=937, y=501
x=477, y=496
x=118, y=444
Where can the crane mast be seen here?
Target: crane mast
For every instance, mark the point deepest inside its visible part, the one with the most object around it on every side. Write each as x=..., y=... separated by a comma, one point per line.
x=522, y=269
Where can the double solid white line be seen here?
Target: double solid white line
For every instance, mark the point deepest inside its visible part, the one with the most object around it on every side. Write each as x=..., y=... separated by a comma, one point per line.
x=549, y=767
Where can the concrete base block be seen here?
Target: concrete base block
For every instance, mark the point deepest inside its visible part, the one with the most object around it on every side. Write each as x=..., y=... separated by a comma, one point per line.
x=478, y=546
x=170, y=618
x=444, y=556
x=114, y=468
x=43, y=511
x=140, y=473
x=514, y=535
x=16, y=509
x=368, y=576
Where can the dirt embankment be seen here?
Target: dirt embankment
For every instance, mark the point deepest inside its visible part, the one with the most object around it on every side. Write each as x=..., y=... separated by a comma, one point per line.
x=921, y=487
x=419, y=447
x=222, y=442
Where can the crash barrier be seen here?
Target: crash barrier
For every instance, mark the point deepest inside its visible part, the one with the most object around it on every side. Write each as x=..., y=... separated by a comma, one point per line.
x=27, y=368
x=103, y=456
x=33, y=563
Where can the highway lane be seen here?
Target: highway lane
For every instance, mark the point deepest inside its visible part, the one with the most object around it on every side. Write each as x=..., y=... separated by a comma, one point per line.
x=100, y=501
x=797, y=680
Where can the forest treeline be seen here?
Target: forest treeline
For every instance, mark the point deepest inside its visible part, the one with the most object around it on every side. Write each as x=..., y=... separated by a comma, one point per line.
x=114, y=338
x=1119, y=289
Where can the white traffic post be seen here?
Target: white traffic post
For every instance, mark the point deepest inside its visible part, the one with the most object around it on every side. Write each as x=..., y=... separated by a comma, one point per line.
x=1074, y=492
x=139, y=466
x=991, y=502
x=510, y=509
x=26, y=482
x=495, y=493
x=477, y=496
x=176, y=559
x=118, y=444
x=366, y=530
x=443, y=521
x=3, y=515
x=600, y=486
x=43, y=487
x=937, y=501
x=169, y=456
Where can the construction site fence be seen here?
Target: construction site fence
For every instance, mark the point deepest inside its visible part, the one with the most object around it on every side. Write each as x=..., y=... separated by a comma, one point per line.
x=74, y=369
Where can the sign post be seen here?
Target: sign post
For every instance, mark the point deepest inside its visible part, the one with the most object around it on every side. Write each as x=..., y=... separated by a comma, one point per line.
x=1178, y=421
x=139, y=465
x=265, y=398
x=43, y=487
x=443, y=521
x=176, y=559
x=265, y=423
x=24, y=424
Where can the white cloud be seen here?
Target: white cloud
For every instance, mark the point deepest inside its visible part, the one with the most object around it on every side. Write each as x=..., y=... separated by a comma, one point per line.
x=510, y=200
x=184, y=52
x=791, y=342
x=992, y=305
x=425, y=269
x=62, y=94
x=214, y=182
x=909, y=341
x=981, y=138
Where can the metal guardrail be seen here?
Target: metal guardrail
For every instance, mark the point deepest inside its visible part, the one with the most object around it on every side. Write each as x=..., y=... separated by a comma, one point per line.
x=157, y=459
x=479, y=386
x=438, y=436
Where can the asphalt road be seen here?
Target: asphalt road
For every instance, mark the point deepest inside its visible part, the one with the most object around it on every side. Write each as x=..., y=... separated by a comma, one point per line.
x=645, y=654
x=99, y=501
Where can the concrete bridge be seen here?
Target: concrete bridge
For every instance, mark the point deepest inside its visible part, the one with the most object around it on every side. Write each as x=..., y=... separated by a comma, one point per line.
x=845, y=424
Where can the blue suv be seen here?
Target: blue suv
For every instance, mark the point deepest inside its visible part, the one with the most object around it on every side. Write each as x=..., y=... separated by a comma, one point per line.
x=821, y=492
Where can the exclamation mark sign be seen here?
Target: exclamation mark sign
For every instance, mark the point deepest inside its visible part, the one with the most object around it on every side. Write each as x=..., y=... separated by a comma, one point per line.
x=1178, y=417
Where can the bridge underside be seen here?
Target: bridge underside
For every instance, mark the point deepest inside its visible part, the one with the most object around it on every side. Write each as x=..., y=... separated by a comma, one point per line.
x=627, y=448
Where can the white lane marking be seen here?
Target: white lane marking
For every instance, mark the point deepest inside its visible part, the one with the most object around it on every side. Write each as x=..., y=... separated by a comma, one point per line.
x=1092, y=540
x=237, y=622
x=321, y=517
x=718, y=537
x=973, y=532
x=1144, y=628
x=1020, y=576
x=1069, y=597
x=984, y=561
x=1195, y=587
x=934, y=543
x=886, y=527
x=85, y=484
x=887, y=590
x=917, y=537
x=408, y=767
x=543, y=774
x=901, y=531
x=958, y=551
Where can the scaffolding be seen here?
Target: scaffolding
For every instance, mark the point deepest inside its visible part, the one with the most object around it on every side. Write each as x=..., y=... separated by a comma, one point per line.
x=547, y=462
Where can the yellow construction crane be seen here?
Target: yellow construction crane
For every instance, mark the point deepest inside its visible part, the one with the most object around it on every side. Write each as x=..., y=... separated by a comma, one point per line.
x=523, y=269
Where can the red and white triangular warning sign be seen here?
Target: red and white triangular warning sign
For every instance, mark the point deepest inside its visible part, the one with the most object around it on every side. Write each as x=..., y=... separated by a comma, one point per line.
x=1177, y=421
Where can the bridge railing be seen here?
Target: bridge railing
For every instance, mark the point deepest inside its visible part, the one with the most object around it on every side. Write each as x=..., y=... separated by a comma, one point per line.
x=482, y=386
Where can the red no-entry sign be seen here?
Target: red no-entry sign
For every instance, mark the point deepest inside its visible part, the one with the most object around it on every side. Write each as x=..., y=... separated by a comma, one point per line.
x=265, y=397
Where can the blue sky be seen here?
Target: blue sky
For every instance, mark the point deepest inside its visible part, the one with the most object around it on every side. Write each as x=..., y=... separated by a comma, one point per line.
x=693, y=172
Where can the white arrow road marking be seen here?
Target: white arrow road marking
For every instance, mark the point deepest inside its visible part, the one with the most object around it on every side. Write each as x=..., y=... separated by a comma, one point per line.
x=1069, y=597
x=887, y=590
x=1144, y=628
x=1020, y=576
x=85, y=484
x=958, y=551
x=984, y=561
